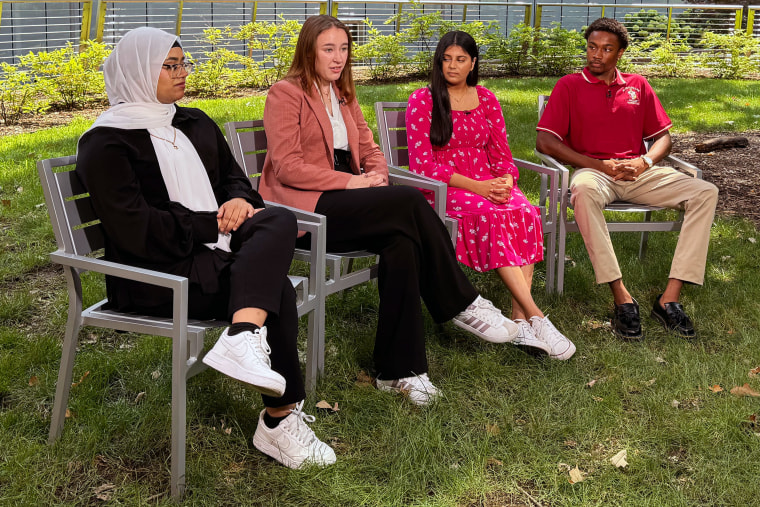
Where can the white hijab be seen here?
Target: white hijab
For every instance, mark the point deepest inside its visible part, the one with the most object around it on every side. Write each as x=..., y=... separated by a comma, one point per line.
x=131, y=74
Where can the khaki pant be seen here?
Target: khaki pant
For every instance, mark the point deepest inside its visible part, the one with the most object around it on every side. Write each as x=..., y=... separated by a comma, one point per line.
x=659, y=186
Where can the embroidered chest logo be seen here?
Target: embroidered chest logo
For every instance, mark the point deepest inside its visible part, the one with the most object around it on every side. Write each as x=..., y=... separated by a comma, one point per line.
x=633, y=94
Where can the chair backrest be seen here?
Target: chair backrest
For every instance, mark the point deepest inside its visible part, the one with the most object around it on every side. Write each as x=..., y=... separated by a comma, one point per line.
x=248, y=143
x=542, y=100
x=76, y=227
x=391, y=127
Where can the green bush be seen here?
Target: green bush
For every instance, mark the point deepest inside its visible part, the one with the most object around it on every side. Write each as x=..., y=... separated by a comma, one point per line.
x=558, y=51
x=219, y=71
x=514, y=52
x=19, y=94
x=69, y=77
x=730, y=56
x=646, y=23
x=382, y=54
x=277, y=41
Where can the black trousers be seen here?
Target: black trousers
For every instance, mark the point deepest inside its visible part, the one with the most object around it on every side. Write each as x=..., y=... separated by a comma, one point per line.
x=417, y=260
x=255, y=275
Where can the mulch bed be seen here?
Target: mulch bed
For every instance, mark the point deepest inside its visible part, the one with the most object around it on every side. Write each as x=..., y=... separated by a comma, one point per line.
x=733, y=171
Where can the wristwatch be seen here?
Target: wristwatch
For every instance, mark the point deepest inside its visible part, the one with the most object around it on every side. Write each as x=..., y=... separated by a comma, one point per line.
x=648, y=161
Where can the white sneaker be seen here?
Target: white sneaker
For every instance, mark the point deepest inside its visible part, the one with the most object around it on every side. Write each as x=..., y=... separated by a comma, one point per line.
x=484, y=320
x=527, y=337
x=560, y=347
x=245, y=357
x=419, y=388
x=292, y=442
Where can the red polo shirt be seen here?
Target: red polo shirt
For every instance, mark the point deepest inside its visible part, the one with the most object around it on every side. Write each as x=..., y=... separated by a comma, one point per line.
x=604, y=121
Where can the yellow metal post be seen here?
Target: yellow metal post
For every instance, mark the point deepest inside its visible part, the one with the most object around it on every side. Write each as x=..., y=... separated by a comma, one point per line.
x=398, y=20
x=334, y=12
x=101, y=21
x=738, y=20
x=178, y=24
x=464, y=14
x=750, y=21
x=528, y=12
x=86, y=22
x=539, y=11
x=322, y=8
x=670, y=18
x=603, y=8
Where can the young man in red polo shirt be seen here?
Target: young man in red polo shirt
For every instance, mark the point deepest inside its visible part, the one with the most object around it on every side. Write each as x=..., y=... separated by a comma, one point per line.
x=597, y=121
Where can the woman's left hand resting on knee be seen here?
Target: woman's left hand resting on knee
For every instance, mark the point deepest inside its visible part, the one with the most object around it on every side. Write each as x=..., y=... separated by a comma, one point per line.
x=233, y=213
x=366, y=180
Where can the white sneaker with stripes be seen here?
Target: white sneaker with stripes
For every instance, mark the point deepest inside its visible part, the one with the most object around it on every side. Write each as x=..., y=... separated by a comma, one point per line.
x=485, y=321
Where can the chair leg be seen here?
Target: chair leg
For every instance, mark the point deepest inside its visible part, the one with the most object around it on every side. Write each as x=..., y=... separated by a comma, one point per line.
x=179, y=398
x=561, y=257
x=551, y=262
x=314, y=343
x=645, y=236
x=68, y=352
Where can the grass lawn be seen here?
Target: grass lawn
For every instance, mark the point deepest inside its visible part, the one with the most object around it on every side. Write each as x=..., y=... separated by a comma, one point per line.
x=510, y=426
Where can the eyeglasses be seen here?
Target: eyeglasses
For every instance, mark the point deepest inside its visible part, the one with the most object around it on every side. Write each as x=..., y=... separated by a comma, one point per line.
x=174, y=70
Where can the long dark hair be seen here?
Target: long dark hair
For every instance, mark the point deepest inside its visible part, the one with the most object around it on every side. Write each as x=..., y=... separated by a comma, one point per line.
x=441, y=125
x=302, y=69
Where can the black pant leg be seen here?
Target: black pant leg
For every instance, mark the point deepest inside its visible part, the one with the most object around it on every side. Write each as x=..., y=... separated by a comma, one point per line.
x=416, y=260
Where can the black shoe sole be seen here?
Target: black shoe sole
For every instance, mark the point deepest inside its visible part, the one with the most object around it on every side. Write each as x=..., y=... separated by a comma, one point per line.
x=626, y=337
x=656, y=316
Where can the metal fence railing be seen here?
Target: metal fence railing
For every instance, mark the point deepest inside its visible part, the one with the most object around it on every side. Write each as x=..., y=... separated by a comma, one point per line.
x=31, y=25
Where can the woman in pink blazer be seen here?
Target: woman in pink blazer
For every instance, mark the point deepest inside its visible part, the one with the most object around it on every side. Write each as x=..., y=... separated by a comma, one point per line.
x=321, y=157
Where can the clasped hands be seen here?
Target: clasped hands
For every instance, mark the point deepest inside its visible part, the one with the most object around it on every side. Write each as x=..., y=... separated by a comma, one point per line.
x=496, y=190
x=625, y=169
x=233, y=213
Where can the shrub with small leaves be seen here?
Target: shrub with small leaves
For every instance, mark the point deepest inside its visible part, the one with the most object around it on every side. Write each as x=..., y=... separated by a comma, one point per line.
x=277, y=43
x=382, y=54
x=219, y=69
x=514, y=52
x=19, y=94
x=558, y=50
x=730, y=56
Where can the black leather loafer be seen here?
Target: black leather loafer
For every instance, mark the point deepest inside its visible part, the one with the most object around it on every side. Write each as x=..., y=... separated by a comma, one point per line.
x=674, y=318
x=626, y=323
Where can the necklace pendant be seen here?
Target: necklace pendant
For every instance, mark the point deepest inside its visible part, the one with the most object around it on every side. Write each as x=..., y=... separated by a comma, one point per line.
x=175, y=146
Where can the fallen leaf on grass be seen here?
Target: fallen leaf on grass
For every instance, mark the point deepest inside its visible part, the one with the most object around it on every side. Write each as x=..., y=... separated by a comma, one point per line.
x=650, y=382
x=754, y=372
x=660, y=360
x=675, y=403
x=716, y=388
x=104, y=492
x=155, y=374
x=33, y=381
x=619, y=459
x=744, y=390
x=752, y=240
x=493, y=429
x=597, y=398
x=576, y=475
x=363, y=379
x=591, y=383
x=69, y=413
x=81, y=379
x=326, y=406
x=570, y=444
x=7, y=203
x=494, y=462
x=139, y=397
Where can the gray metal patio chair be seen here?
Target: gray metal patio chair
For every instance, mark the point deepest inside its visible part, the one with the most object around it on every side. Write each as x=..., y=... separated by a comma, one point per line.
x=79, y=238
x=391, y=126
x=646, y=226
x=249, y=145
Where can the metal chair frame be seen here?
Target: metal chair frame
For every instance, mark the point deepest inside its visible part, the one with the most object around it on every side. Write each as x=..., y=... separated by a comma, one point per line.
x=391, y=126
x=80, y=239
x=645, y=226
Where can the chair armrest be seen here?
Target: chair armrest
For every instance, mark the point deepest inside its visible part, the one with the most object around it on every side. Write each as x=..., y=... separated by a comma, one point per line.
x=109, y=268
x=400, y=176
x=684, y=166
x=551, y=179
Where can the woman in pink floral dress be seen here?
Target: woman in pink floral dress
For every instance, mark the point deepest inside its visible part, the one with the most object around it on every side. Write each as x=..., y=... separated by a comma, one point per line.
x=457, y=135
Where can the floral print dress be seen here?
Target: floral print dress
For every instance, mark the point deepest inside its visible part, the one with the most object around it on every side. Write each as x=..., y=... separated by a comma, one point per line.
x=489, y=235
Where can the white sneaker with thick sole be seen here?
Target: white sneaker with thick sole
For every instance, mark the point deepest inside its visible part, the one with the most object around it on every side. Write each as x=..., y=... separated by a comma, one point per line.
x=245, y=357
x=292, y=442
x=485, y=321
x=419, y=388
x=561, y=347
x=527, y=337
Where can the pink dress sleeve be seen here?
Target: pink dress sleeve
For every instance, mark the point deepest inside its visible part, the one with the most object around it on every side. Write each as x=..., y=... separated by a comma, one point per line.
x=418, y=116
x=497, y=148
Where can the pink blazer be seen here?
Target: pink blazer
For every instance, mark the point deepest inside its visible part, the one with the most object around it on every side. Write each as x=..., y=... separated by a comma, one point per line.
x=299, y=164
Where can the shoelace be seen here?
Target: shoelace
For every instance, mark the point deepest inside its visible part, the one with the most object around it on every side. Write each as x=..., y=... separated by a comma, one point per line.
x=487, y=312
x=299, y=428
x=261, y=345
x=422, y=384
x=545, y=326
